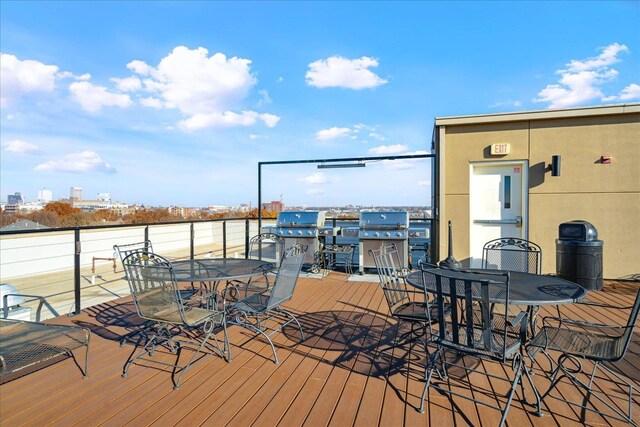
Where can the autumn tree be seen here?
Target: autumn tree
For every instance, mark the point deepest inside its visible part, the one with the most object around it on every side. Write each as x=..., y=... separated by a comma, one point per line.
x=60, y=208
x=105, y=215
x=48, y=218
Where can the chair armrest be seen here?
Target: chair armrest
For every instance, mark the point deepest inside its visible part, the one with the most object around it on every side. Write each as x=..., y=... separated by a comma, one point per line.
x=522, y=320
x=587, y=326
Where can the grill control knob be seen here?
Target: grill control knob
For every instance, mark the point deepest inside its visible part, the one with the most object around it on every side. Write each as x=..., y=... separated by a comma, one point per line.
x=376, y=234
x=289, y=232
x=299, y=233
x=309, y=233
x=366, y=234
x=387, y=234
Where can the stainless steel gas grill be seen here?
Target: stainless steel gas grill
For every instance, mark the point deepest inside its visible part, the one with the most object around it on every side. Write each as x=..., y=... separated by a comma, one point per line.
x=383, y=228
x=301, y=227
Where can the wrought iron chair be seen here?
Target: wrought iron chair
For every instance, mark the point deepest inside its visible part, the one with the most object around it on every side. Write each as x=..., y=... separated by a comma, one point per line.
x=157, y=298
x=484, y=337
x=599, y=343
x=515, y=254
x=121, y=252
x=255, y=311
x=266, y=247
x=401, y=301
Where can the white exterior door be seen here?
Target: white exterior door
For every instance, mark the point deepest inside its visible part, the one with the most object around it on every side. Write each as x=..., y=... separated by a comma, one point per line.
x=498, y=197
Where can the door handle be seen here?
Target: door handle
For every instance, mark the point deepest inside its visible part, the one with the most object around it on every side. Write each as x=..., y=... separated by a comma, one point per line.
x=517, y=221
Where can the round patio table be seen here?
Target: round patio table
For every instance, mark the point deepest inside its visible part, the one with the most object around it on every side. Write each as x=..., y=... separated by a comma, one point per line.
x=218, y=269
x=524, y=288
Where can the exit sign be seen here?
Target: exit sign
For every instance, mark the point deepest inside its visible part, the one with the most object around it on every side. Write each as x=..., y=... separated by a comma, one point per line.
x=500, y=149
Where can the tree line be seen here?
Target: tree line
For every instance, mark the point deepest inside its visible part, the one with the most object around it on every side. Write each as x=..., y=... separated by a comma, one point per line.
x=60, y=214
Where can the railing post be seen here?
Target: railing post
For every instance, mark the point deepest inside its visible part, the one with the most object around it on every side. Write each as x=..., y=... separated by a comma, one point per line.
x=76, y=267
x=333, y=236
x=146, y=237
x=224, y=239
x=192, y=238
x=246, y=238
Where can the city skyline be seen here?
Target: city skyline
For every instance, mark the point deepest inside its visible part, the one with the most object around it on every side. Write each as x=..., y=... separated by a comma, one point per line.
x=164, y=108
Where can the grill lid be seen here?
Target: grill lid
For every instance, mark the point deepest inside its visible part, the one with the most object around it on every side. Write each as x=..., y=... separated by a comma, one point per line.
x=385, y=220
x=301, y=219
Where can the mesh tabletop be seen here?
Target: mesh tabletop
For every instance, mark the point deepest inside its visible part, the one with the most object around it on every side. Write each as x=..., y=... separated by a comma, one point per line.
x=23, y=344
x=524, y=288
x=214, y=269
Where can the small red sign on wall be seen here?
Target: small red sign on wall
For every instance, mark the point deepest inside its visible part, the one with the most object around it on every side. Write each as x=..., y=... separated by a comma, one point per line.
x=516, y=170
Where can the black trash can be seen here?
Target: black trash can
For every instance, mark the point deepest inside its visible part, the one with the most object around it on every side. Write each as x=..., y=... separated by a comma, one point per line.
x=579, y=254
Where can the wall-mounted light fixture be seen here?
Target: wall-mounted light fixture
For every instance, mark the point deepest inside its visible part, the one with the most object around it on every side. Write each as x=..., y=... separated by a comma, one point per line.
x=340, y=165
x=555, y=165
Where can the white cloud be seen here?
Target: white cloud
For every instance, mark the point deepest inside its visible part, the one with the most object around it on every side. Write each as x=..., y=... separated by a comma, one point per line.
x=383, y=150
x=70, y=75
x=151, y=102
x=608, y=57
x=316, y=192
x=22, y=147
x=205, y=88
x=424, y=183
x=630, y=92
x=227, y=119
x=92, y=98
x=85, y=161
x=254, y=136
x=337, y=71
x=19, y=77
x=195, y=83
x=127, y=84
x=580, y=82
x=377, y=136
x=333, y=133
x=315, y=178
x=265, y=99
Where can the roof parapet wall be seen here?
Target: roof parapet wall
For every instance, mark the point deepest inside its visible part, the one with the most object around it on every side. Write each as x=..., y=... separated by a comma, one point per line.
x=601, y=110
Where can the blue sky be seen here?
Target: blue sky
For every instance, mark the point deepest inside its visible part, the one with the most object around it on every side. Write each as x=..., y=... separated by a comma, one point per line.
x=177, y=102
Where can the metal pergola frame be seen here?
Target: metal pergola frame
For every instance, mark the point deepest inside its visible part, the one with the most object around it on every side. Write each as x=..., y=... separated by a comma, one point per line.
x=357, y=160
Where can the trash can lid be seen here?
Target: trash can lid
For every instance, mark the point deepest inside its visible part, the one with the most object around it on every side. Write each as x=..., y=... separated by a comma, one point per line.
x=579, y=230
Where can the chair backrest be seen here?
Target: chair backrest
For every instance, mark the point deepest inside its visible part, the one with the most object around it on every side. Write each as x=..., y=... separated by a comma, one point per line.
x=387, y=262
x=267, y=247
x=152, y=283
x=472, y=327
x=122, y=251
x=513, y=254
x=287, y=277
x=625, y=339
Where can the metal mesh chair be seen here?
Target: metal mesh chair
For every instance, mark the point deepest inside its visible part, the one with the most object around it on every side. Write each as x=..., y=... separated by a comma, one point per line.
x=475, y=336
x=157, y=298
x=579, y=340
x=26, y=344
x=514, y=254
x=265, y=247
x=121, y=252
x=255, y=311
x=401, y=301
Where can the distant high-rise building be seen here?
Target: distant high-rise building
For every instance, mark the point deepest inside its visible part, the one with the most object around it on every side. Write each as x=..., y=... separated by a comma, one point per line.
x=15, y=199
x=104, y=197
x=75, y=194
x=45, y=195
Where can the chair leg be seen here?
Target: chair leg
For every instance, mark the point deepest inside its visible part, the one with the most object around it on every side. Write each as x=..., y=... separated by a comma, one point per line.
x=518, y=372
x=282, y=310
x=428, y=373
x=566, y=372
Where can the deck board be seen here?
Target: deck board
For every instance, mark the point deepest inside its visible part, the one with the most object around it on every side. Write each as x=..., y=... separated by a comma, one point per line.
x=331, y=378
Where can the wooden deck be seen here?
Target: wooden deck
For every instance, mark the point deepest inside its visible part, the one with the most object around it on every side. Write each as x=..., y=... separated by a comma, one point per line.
x=331, y=378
